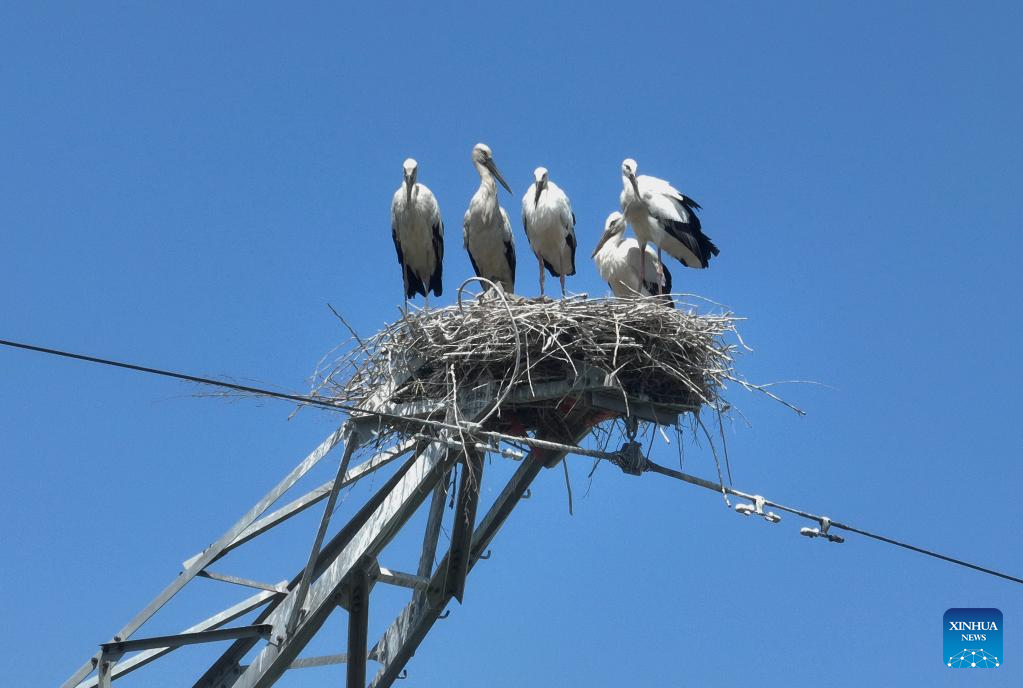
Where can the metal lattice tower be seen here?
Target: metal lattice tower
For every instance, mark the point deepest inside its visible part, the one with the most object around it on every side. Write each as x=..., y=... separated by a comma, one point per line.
x=342, y=570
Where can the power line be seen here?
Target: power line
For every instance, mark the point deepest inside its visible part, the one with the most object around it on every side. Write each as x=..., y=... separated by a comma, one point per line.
x=179, y=376
x=825, y=522
x=639, y=463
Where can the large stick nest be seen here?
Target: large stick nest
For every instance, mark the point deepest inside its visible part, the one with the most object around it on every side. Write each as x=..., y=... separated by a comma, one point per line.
x=672, y=356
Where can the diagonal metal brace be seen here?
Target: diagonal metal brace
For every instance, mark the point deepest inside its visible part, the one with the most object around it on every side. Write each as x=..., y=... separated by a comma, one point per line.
x=464, y=524
x=303, y=587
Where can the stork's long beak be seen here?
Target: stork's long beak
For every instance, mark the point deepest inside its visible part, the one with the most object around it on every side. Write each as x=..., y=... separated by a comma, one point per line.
x=497, y=174
x=408, y=191
x=608, y=233
x=539, y=190
x=635, y=184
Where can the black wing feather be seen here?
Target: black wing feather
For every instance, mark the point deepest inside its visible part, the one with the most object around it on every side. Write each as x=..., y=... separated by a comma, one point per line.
x=413, y=285
x=438, y=251
x=691, y=233
x=509, y=254
x=475, y=268
x=707, y=247
x=663, y=292
x=570, y=239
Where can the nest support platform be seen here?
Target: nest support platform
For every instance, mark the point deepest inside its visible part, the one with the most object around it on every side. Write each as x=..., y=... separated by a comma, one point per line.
x=535, y=366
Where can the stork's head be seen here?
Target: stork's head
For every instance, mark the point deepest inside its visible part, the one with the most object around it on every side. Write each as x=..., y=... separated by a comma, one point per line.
x=484, y=159
x=481, y=153
x=411, y=168
x=540, y=179
x=629, y=168
x=614, y=226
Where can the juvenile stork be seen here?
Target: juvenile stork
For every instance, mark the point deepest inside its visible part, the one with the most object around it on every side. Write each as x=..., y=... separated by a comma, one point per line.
x=486, y=229
x=418, y=233
x=660, y=214
x=620, y=262
x=550, y=227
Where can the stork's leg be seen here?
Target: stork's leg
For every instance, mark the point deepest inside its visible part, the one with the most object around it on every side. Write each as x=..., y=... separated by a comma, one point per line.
x=404, y=284
x=540, y=261
x=562, y=278
x=426, y=300
x=642, y=265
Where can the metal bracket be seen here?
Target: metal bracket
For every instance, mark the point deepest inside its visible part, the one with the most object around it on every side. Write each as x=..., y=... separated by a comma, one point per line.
x=631, y=428
x=757, y=509
x=822, y=532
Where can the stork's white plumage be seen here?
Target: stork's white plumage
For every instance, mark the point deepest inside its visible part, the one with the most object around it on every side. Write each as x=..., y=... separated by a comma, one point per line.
x=620, y=262
x=418, y=233
x=486, y=229
x=550, y=227
x=660, y=214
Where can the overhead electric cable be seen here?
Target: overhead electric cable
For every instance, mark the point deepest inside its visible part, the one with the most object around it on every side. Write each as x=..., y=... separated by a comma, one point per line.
x=615, y=457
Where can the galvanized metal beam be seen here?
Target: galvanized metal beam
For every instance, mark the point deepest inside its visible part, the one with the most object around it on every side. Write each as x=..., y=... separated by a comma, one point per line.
x=403, y=636
x=214, y=550
x=373, y=533
x=371, y=537
x=464, y=523
x=215, y=621
x=324, y=660
x=358, y=628
x=313, y=497
x=225, y=670
x=303, y=585
x=181, y=639
x=236, y=580
x=404, y=580
x=433, y=524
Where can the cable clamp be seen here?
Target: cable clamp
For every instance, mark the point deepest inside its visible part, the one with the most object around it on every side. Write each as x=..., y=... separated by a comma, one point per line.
x=822, y=532
x=757, y=509
x=630, y=458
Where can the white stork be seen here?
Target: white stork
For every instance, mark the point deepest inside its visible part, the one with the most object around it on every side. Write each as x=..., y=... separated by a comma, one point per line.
x=620, y=262
x=418, y=233
x=550, y=227
x=487, y=231
x=660, y=214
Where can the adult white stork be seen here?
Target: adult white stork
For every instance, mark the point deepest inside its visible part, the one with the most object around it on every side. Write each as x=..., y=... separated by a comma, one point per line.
x=550, y=227
x=660, y=214
x=487, y=231
x=620, y=262
x=418, y=233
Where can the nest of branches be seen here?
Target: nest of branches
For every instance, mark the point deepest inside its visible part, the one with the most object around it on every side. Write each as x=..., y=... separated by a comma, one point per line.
x=644, y=348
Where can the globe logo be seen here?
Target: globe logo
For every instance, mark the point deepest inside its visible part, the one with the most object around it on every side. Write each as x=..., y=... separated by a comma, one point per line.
x=973, y=659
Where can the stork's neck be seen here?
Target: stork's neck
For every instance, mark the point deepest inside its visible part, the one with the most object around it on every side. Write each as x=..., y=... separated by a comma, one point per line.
x=487, y=193
x=411, y=191
x=627, y=185
x=486, y=178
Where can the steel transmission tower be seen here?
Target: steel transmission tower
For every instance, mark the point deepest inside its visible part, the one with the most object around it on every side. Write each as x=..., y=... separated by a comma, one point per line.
x=341, y=570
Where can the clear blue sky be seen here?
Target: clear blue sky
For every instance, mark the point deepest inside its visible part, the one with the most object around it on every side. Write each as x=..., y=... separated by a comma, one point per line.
x=187, y=188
